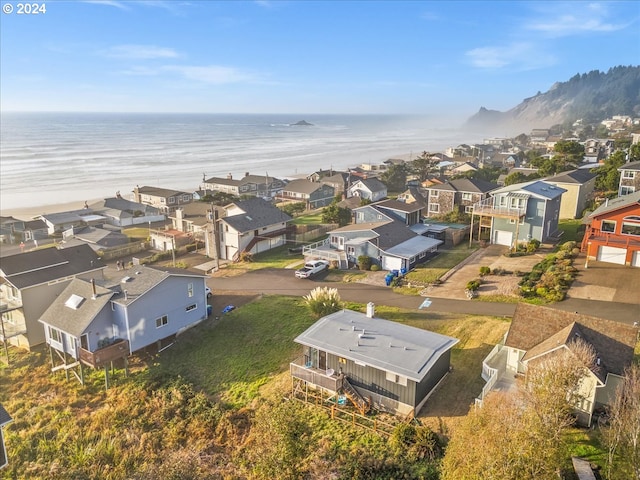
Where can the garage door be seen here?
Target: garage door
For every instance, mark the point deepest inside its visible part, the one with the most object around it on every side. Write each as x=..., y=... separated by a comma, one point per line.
x=391, y=263
x=501, y=237
x=612, y=255
x=635, y=260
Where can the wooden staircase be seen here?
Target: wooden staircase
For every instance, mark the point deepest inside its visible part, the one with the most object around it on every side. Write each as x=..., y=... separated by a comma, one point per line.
x=352, y=394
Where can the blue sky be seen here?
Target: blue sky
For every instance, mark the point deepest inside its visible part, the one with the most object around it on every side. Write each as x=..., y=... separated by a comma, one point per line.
x=418, y=57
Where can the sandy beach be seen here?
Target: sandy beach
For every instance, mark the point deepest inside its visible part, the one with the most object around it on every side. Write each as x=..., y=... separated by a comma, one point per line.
x=29, y=213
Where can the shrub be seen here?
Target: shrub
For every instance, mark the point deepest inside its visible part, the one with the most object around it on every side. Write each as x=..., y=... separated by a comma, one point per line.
x=375, y=268
x=473, y=285
x=485, y=271
x=364, y=262
x=246, y=257
x=323, y=300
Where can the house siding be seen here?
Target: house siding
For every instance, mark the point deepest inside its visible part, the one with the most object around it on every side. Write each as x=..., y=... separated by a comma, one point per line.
x=433, y=376
x=170, y=299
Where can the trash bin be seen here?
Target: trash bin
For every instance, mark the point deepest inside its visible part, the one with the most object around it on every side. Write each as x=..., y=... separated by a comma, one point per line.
x=395, y=273
x=209, y=310
x=403, y=271
x=388, y=279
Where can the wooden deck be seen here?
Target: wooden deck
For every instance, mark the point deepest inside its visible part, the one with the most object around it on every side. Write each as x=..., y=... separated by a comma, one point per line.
x=102, y=356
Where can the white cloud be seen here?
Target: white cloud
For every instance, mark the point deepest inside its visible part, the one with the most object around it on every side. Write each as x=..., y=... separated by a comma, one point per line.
x=575, y=18
x=140, y=52
x=213, y=74
x=210, y=74
x=517, y=56
x=109, y=3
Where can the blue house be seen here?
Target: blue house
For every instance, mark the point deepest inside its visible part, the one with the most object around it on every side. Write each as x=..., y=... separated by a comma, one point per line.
x=93, y=325
x=520, y=212
x=5, y=419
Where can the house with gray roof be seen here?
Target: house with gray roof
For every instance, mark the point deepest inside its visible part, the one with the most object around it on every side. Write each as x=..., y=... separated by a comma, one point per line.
x=519, y=213
x=313, y=194
x=368, y=188
x=629, y=178
x=389, y=243
x=121, y=212
x=164, y=199
x=5, y=419
x=579, y=185
x=253, y=226
x=93, y=323
x=30, y=282
x=407, y=213
x=537, y=333
x=374, y=362
x=457, y=195
x=60, y=222
x=13, y=230
x=263, y=186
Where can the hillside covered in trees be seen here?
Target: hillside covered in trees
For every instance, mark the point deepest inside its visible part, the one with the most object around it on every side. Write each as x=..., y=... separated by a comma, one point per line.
x=591, y=97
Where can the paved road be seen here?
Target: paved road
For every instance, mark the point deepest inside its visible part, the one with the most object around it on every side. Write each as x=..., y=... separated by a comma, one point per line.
x=283, y=282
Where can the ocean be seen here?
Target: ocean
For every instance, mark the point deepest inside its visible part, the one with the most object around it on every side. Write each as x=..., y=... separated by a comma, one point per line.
x=53, y=158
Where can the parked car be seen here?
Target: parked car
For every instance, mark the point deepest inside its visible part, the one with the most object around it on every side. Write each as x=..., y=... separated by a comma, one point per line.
x=208, y=292
x=311, y=268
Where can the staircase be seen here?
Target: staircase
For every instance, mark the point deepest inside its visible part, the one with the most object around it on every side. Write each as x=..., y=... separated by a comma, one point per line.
x=352, y=394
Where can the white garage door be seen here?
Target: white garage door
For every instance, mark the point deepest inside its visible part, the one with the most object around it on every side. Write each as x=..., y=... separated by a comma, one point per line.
x=501, y=237
x=612, y=255
x=635, y=260
x=391, y=263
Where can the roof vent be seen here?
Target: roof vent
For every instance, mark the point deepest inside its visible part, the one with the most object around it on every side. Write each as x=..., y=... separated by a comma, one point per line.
x=125, y=279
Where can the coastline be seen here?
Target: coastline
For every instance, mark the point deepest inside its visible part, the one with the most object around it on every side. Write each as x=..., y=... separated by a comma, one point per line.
x=31, y=212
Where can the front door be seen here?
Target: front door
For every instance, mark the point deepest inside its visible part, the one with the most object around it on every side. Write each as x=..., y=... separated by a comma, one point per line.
x=322, y=360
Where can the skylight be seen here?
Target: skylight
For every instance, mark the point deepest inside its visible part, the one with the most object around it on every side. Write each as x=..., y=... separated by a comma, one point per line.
x=74, y=301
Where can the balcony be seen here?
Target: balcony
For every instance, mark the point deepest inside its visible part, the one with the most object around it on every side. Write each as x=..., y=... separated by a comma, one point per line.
x=611, y=239
x=487, y=208
x=99, y=358
x=316, y=376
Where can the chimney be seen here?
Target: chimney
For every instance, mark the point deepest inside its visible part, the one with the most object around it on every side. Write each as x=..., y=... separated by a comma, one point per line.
x=246, y=174
x=371, y=310
x=179, y=218
x=229, y=176
x=94, y=294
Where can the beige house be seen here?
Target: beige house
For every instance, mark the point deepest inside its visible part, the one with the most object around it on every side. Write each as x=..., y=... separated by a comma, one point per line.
x=538, y=332
x=579, y=185
x=253, y=226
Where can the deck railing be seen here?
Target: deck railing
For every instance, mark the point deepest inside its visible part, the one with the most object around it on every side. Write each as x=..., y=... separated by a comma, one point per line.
x=322, y=378
x=487, y=207
x=103, y=355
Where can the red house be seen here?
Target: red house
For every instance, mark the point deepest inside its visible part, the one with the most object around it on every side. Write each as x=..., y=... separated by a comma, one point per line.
x=613, y=231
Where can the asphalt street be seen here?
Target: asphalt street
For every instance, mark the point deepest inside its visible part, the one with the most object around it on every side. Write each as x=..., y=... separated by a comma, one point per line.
x=283, y=282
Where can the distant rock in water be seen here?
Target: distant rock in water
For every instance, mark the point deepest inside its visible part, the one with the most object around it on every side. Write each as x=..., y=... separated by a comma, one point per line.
x=303, y=123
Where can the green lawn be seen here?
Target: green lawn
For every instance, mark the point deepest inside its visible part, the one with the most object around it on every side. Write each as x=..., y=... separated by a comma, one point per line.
x=314, y=218
x=570, y=229
x=241, y=351
x=433, y=269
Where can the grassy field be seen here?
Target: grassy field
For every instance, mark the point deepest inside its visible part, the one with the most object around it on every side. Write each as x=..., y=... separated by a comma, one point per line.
x=570, y=229
x=201, y=395
x=313, y=218
x=446, y=259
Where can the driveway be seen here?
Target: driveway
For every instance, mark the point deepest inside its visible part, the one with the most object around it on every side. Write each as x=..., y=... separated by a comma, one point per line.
x=454, y=282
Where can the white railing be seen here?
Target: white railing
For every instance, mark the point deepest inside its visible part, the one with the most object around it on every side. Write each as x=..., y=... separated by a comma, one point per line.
x=488, y=207
x=490, y=374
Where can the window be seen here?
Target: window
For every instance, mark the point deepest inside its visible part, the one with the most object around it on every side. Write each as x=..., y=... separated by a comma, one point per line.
x=191, y=307
x=628, y=174
x=468, y=209
x=629, y=228
x=626, y=190
x=162, y=321
x=467, y=196
x=434, y=193
x=608, y=226
x=54, y=334
x=434, y=207
x=172, y=199
x=190, y=290
x=186, y=198
x=342, y=360
x=399, y=379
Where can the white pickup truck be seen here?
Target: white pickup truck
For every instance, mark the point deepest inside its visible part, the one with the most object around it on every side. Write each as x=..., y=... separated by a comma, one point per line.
x=311, y=268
